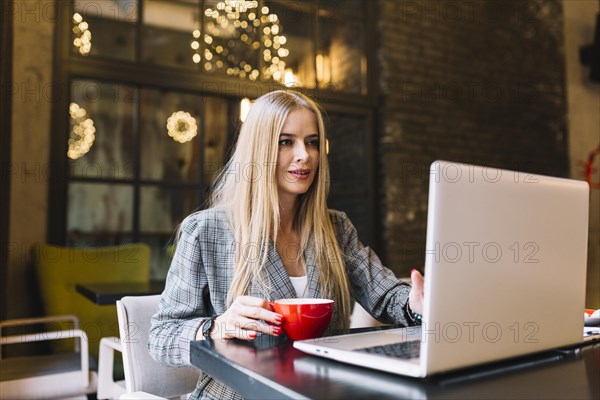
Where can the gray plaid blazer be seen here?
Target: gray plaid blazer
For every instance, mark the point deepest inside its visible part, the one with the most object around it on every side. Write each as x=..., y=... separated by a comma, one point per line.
x=202, y=270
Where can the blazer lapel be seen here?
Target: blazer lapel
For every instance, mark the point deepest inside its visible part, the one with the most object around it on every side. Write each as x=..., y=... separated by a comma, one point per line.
x=275, y=273
x=313, y=288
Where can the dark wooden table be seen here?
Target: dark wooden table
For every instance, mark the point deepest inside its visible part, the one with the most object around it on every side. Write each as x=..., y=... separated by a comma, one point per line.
x=108, y=293
x=271, y=368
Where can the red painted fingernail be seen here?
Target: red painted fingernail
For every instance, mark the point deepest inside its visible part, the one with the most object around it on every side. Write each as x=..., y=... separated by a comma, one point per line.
x=279, y=319
x=252, y=335
x=277, y=330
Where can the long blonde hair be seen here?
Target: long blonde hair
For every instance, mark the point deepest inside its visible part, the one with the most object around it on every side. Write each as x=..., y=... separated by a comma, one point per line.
x=246, y=188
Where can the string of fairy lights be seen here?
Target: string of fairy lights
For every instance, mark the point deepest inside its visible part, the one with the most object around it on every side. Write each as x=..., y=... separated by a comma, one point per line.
x=83, y=35
x=82, y=133
x=235, y=31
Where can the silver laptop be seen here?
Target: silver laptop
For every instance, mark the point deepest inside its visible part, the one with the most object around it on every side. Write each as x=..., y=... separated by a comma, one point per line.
x=505, y=275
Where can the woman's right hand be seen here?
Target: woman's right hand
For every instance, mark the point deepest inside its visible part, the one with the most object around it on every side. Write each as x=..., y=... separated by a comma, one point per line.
x=416, y=295
x=243, y=320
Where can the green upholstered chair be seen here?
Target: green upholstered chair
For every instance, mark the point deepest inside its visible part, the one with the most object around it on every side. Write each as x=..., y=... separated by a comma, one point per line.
x=59, y=269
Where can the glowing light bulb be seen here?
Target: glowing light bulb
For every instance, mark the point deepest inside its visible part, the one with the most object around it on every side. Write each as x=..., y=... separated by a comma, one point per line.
x=244, y=108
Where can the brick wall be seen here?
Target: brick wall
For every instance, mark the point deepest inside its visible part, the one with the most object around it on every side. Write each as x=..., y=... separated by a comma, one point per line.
x=477, y=81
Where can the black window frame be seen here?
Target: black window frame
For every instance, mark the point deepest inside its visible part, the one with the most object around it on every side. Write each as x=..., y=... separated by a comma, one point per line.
x=69, y=66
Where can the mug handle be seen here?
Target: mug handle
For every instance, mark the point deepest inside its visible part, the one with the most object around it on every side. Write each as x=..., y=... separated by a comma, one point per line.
x=271, y=304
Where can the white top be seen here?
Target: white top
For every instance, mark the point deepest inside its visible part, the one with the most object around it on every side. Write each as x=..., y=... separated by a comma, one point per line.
x=299, y=283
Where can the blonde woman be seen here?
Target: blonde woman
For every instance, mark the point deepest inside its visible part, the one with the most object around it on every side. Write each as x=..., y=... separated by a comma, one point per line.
x=268, y=234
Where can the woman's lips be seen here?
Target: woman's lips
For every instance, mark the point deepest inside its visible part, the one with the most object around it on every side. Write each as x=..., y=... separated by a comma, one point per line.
x=300, y=174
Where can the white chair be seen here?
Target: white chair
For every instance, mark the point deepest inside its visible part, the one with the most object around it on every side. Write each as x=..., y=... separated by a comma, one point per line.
x=51, y=376
x=144, y=377
x=108, y=388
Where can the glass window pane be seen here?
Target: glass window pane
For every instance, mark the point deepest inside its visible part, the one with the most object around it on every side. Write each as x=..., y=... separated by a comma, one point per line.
x=99, y=214
x=340, y=61
x=216, y=138
x=161, y=211
x=170, y=131
x=161, y=248
x=110, y=27
x=232, y=37
x=348, y=156
x=255, y=40
x=170, y=30
x=101, y=139
x=358, y=210
x=349, y=8
x=297, y=27
x=349, y=178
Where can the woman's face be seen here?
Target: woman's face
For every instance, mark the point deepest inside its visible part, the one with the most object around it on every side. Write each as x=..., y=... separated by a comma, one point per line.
x=298, y=156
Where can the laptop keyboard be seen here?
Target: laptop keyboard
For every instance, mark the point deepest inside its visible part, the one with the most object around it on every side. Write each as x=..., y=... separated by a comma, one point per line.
x=403, y=350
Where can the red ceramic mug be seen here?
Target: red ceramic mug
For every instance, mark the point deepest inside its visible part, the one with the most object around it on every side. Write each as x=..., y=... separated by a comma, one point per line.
x=304, y=318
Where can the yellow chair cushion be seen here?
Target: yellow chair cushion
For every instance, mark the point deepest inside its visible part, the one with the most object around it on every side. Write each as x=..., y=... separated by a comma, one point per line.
x=59, y=269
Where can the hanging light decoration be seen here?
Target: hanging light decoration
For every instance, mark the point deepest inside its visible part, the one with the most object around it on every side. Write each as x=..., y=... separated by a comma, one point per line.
x=83, y=41
x=182, y=127
x=82, y=134
x=245, y=105
x=235, y=31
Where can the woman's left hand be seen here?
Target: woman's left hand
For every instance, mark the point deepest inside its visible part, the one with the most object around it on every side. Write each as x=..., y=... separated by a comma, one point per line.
x=415, y=297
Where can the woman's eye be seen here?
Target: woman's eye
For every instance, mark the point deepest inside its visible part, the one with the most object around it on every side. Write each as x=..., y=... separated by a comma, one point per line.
x=285, y=142
x=313, y=143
